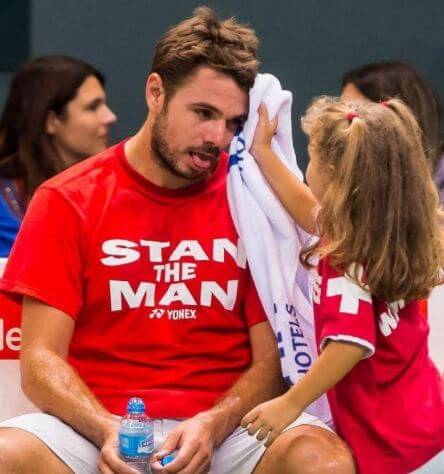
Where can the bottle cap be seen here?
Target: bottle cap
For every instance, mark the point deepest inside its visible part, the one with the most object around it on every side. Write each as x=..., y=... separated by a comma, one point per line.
x=135, y=405
x=167, y=459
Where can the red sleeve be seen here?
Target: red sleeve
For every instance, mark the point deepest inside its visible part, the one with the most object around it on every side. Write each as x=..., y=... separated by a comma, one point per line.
x=254, y=311
x=45, y=261
x=346, y=311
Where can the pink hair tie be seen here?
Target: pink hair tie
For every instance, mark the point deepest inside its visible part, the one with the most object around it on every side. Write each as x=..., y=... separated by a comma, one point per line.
x=351, y=116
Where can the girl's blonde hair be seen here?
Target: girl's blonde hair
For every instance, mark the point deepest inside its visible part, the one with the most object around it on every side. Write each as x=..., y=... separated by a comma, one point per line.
x=380, y=210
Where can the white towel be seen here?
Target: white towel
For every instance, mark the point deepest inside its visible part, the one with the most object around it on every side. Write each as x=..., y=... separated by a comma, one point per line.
x=271, y=238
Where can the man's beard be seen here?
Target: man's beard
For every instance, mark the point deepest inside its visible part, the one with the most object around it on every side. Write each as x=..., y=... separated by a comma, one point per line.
x=167, y=158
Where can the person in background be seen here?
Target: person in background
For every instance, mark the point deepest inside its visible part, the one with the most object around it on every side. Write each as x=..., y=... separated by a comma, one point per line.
x=55, y=115
x=381, y=81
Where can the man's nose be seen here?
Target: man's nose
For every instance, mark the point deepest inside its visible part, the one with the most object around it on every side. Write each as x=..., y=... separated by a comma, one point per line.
x=217, y=133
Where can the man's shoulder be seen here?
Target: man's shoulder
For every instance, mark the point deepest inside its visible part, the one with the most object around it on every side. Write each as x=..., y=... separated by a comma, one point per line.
x=87, y=172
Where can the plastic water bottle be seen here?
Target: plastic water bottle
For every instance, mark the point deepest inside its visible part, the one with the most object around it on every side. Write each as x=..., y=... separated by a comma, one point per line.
x=136, y=440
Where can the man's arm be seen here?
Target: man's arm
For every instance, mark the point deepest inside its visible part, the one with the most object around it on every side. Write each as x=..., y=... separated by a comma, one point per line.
x=196, y=437
x=55, y=387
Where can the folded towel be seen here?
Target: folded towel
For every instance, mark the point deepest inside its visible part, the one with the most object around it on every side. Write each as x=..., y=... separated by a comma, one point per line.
x=271, y=238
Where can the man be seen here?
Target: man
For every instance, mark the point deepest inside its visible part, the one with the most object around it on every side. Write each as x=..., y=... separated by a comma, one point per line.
x=135, y=284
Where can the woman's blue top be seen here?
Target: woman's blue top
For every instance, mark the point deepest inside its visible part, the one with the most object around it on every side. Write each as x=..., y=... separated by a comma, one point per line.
x=9, y=221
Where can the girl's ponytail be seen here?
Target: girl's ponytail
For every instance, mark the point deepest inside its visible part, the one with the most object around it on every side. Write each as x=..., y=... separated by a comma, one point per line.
x=380, y=208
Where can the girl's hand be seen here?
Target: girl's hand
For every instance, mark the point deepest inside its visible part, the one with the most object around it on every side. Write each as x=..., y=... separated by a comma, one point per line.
x=271, y=418
x=264, y=132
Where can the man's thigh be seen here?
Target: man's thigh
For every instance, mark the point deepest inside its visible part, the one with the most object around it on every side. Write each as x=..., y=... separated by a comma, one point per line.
x=58, y=443
x=241, y=453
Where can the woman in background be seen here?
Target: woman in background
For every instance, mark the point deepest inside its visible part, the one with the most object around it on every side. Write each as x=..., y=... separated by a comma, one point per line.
x=55, y=115
x=382, y=81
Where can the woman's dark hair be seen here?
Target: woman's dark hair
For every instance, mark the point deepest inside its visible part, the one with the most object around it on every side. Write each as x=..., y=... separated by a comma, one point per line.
x=385, y=80
x=40, y=86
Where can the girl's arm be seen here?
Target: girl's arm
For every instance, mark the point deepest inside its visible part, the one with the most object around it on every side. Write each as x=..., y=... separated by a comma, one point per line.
x=272, y=417
x=334, y=363
x=295, y=196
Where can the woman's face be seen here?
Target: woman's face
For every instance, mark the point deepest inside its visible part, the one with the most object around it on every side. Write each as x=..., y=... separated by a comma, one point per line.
x=352, y=94
x=82, y=130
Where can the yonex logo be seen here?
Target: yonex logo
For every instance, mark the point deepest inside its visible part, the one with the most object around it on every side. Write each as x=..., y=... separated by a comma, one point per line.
x=157, y=313
x=174, y=314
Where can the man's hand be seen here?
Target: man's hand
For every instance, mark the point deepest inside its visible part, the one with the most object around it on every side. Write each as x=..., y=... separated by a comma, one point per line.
x=271, y=418
x=194, y=441
x=109, y=461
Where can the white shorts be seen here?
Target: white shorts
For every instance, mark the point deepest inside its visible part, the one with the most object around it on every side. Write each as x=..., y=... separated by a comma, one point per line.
x=238, y=454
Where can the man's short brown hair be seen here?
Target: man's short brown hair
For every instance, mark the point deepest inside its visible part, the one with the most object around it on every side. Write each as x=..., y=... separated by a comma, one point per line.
x=203, y=40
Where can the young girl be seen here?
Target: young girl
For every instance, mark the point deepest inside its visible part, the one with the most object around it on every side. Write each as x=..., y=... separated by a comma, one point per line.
x=380, y=251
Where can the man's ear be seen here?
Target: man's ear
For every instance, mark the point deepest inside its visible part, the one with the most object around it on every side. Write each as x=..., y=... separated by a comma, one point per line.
x=155, y=92
x=52, y=123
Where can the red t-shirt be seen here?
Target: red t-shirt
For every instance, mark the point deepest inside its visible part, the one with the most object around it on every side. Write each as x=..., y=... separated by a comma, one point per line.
x=390, y=407
x=155, y=279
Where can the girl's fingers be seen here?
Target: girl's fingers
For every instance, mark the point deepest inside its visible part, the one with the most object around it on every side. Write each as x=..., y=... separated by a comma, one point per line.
x=263, y=112
x=263, y=118
x=274, y=124
x=255, y=426
x=248, y=418
x=272, y=437
x=263, y=432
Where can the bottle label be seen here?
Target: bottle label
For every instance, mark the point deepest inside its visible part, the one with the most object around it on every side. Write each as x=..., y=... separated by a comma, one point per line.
x=136, y=445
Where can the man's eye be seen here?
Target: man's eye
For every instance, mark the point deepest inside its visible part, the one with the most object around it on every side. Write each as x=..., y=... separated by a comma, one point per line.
x=204, y=113
x=235, y=125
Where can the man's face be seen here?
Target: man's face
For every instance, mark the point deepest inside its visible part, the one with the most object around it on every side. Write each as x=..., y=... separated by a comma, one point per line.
x=197, y=123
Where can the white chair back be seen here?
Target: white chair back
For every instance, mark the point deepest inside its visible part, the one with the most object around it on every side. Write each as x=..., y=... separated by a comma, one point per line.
x=13, y=401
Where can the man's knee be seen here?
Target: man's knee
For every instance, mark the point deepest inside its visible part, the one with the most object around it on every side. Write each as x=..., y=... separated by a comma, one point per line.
x=307, y=449
x=315, y=453
x=11, y=453
x=22, y=452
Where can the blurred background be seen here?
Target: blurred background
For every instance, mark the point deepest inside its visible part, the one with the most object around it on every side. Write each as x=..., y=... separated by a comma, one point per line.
x=307, y=44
